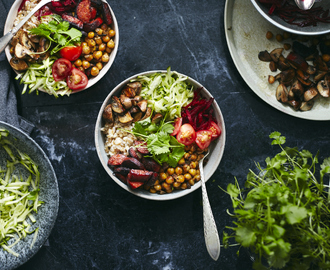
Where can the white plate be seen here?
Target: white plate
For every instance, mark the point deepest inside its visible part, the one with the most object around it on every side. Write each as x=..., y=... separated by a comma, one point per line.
x=9, y=24
x=245, y=31
x=214, y=158
x=47, y=213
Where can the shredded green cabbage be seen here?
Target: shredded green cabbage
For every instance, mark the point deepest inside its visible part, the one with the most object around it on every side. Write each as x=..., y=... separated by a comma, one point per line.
x=167, y=92
x=41, y=76
x=19, y=196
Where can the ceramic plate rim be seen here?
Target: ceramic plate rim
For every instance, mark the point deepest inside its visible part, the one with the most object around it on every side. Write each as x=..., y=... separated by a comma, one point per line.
x=142, y=193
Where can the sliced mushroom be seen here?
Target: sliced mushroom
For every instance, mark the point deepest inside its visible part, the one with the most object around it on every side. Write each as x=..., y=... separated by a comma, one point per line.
x=323, y=88
x=272, y=66
x=125, y=101
x=319, y=75
x=143, y=104
x=320, y=64
x=157, y=118
x=306, y=83
x=307, y=105
x=264, y=56
x=43, y=44
x=25, y=41
x=116, y=105
x=138, y=98
x=283, y=63
x=21, y=51
x=125, y=118
x=147, y=114
x=107, y=113
x=297, y=88
x=282, y=93
x=34, y=38
x=276, y=53
x=287, y=76
x=137, y=116
x=18, y=64
x=129, y=92
x=310, y=94
x=295, y=104
x=302, y=75
x=134, y=109
x=136, y=86
x=311, y=70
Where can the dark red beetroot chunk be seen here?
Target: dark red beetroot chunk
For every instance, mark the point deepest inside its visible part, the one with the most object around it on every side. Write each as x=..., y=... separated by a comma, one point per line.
x=139, y=175
x=116, y=160
x=132, y=163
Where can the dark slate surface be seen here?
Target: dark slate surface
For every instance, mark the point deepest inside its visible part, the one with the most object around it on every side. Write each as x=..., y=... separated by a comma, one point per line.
x=101, y=226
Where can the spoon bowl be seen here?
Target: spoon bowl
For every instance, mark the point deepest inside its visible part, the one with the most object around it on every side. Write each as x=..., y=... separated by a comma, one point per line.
x=305, y=4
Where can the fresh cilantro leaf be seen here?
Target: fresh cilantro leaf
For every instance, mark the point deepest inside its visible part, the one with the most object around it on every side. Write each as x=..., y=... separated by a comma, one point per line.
x=278, y=139
x=245, y=236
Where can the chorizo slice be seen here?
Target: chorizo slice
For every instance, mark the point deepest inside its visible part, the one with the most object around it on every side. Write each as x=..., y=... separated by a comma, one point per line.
x=132, y=163
x=139, y=175
x=151, y=165
x=73, y=21
x=106, y=14
x=116, y=160
x=83, y=11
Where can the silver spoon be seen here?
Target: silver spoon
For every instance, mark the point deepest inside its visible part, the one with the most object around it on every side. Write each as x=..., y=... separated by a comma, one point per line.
x=305, y=4
x=210, y=228
x=8, y=37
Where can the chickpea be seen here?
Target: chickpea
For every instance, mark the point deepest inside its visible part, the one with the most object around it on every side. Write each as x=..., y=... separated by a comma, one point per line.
x=186, y=155
x=169, y=180
x=279, y=38
x=102, y=47
x=198, y=172
x=83, y=44
x=181, y=161
x=163, y=176
x=111, y=33
x=187, y=147
x=286, y=35
x=95, y=71
x=98, y=40
x=88, y=57
x=106, y=39
x=97, y=55
x=99, y=65
x=111, y=44
x=200, y=157
x=99, y=31
x=180, y=178
x=157, y=187
x=165, y=186
x=197, y=178
x=169, y=190
x=156, y=182
x=326, y=57
x=184, y=186
x=271, y=79
x=90, y=35
x=105, y=58
x=192, y=172
x=193, y=148
x=191, y=182
x=170, y=171
x=178, y=170
x=269, y=35
x=81, y=69
x=152, y=190
x=186, y=168
x=193, y=157
x=287, y=46
x=108, y=50
x=104, y=27
x=187, y=176
x=91, y=43
x=78, y=63
x=193, y=165
x=86, y=50
x=176, y=184
x=87, y=39
x=85, y=64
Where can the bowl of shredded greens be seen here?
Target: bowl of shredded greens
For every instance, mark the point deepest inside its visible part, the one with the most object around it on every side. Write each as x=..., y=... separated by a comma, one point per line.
x=167, y=94
x=29, y=197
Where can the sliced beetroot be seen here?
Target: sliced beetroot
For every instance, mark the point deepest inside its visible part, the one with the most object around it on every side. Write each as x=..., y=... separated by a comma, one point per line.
x=151, y=165
x=139, y=175
x=132, y=163
x=116, y=160
x=122, y=170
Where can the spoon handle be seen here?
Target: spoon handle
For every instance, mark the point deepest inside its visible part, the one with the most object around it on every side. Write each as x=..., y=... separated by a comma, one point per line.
x=210, y=229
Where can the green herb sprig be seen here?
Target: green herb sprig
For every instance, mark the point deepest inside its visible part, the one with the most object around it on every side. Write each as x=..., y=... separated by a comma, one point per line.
x=283, y=213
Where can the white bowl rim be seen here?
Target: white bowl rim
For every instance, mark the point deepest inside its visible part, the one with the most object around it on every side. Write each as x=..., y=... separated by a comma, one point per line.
x=219, y=143
x=8, y=26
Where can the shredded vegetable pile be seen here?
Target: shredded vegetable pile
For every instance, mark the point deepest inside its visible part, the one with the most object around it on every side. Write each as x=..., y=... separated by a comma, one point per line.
x=19, y=196
x=167, y=92
x=41, y=76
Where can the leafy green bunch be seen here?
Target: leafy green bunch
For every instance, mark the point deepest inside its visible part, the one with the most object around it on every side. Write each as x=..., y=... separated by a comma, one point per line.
x=162, y=146
x=58, y=32
x=283, y=214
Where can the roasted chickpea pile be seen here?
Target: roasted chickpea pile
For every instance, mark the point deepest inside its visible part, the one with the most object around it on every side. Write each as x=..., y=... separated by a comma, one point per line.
x=96, y=50
x=183, y=176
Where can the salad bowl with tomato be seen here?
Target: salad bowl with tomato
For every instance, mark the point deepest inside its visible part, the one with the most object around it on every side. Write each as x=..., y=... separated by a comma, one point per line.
x=61, y=54
x=197, y=122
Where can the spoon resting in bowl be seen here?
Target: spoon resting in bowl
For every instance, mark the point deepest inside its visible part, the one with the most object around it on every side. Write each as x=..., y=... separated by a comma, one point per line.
x=305, y=4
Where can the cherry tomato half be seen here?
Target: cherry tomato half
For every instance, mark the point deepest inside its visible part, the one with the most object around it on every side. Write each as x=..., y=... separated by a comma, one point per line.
x=77, y=80
x=61, y=69
x=186, y=135
x=203, y=138
x=177, y=125
x=215, y=129
x=71, y=53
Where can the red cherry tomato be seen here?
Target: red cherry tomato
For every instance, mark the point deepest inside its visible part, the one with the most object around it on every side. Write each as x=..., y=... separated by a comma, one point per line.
x=177, y=125
x=203, y=138
x=77, y=80
x=71, y=53
x=215, y=129
x=186, y=135
x=61, y=69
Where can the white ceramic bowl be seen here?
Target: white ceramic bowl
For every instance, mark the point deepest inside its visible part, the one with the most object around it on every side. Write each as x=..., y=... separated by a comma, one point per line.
x=9, y=24
x=321, y=28
x=214, y=158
